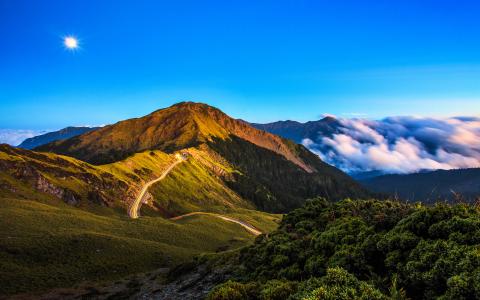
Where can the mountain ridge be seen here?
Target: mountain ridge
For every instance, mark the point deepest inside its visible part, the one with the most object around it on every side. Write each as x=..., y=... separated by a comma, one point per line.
x=271, y=172
x=49, y=137
x=297, y=131
x=183, y=125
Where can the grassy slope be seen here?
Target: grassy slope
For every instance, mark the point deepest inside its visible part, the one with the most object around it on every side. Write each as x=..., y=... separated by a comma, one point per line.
x=45, y=243
x=140, y=166
x=44, y=246
x=193, y=187
x=20, y=171
x=50, y=165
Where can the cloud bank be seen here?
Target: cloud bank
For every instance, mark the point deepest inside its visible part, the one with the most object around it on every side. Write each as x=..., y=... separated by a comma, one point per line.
x=401, y=144
x=15, y=136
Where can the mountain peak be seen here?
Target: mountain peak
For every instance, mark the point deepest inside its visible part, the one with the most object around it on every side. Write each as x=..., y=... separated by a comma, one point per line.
x=190, y=105
x=180, y=126
x=329, y=119
x=188, y=109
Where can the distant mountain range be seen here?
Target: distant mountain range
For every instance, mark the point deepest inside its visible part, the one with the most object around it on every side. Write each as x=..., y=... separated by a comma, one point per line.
x=425, y=185
x=311, y=133
x=208, y=123
x=49, y=137
x=429, y=186
x=297, y=131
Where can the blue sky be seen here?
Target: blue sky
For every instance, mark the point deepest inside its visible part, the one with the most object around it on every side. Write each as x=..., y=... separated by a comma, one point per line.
x=257, y=60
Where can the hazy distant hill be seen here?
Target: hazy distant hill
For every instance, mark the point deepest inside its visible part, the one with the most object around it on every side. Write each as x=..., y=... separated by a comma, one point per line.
x=46, y=138
x=297, y=131
x=429, y=186
x=359, y=176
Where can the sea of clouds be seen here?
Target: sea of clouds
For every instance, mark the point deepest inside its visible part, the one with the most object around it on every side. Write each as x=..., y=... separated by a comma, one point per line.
x=15, y=136
x=401, y=144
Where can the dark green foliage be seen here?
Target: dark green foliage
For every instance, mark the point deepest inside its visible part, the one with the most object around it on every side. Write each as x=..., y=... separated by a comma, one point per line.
x=322, y=235
x=436, y=251
x=276, y=184
x=230, y=290
x=336, y=284
x=270, y=290
x=277, y=289
x=370, y=249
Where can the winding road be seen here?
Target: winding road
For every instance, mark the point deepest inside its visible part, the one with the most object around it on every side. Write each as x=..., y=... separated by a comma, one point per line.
x=245, y=225
x=135, y=207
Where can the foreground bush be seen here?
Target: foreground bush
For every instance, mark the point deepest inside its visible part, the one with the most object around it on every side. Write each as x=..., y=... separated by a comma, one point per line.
x=367, y=250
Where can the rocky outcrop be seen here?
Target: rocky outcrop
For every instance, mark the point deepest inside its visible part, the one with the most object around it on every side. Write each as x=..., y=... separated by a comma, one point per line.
x=55, y=175
x=100, y=198
x=192, y=285
x=68, y=196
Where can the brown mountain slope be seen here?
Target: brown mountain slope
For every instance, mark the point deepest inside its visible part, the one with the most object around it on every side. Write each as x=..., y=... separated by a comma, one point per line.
x=271, y=173
x=177, y=127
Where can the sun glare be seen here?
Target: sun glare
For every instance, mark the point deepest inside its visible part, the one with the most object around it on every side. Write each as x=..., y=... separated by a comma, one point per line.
x=70, y=42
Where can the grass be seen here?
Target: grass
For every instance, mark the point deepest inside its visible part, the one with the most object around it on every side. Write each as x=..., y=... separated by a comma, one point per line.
x=131, y=168
x=191, y=186
x=44, y=246
x=266, y=222
x=21, y=169
x=45, y=243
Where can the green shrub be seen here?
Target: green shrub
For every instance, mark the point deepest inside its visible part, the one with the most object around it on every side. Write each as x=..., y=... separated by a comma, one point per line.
x=232, y=290
x=277, y=290
x=338, y=284
x=369, y=249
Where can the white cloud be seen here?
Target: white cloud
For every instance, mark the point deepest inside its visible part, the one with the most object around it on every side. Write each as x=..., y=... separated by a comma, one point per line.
x=15, y=136
x=401, y=144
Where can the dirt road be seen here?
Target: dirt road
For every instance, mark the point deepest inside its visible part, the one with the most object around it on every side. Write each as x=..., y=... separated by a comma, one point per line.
x=245, y=225
x=134, y=209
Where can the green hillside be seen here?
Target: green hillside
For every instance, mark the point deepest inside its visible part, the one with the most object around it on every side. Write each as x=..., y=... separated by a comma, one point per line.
x=32, y=175
x=64, y=221
x=44, y=246
x=196, y=185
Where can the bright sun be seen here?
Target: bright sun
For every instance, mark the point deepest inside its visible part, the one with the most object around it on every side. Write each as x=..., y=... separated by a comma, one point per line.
x=70, y=42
